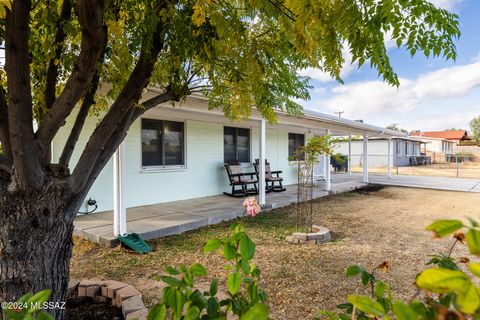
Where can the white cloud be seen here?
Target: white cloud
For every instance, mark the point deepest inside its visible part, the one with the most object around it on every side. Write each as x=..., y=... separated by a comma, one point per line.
x=456, y=119
x=376, y=99
x=447, y=4
x=449, y=82
x=323, y=77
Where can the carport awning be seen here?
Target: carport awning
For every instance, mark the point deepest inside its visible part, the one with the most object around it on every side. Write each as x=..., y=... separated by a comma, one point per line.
x=337, y=125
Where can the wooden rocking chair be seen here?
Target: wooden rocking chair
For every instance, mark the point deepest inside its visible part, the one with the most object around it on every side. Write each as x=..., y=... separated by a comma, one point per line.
x=237, y=178
x=273, y=183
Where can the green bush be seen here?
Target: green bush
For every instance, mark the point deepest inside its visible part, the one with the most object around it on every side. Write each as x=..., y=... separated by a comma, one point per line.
x=29, y=307
x=181, y=300
x=445, y=291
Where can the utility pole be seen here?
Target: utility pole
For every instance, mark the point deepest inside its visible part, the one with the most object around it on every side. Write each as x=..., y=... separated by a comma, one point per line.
x=339, y=113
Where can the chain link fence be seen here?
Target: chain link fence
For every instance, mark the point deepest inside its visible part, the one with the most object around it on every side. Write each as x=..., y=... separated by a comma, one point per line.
x=460, y=165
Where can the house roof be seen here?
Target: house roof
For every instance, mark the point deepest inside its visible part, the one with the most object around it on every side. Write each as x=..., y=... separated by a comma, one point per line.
x=448, y=134
x=310, y=119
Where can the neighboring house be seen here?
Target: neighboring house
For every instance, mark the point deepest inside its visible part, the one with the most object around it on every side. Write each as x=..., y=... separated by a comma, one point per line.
x=402, y=149
x=438, y=146
x=177, y=152
x=452, y=135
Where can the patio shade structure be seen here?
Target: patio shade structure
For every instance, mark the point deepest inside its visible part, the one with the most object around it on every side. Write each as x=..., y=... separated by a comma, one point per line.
x=314, y=123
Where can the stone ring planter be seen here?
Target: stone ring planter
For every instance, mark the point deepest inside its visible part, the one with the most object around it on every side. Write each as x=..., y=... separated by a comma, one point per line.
x=120, y=294
x=318, y=235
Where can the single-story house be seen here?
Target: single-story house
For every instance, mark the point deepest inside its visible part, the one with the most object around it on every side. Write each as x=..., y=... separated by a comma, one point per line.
x=437, y=148
x=178, y=152
x=402, y=150
x=451, y=135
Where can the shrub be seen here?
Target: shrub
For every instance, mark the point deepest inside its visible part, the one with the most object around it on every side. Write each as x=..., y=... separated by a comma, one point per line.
x=181, y=300
x=29, y=307
x=445, y=291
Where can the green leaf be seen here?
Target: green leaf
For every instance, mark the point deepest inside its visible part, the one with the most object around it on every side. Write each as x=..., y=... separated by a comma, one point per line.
x=179, y=302
x=172, y=271
x=443, y=228
x=247, y=248
x=474, y=268
x=229, y=251
x=366, y=304
x=193, y=313
x=467, y=299
x=158, y=312
x=473, y=241
x=258, y=311
x=171, y=281
x=212, y=245
x=214, y=287
x=212, y=308
x=234, y=282
x=451, y=281
x=403, y=311
x=38, y=299
x=380, y=288
x=366, y=277
x=442, y=280
x=198, y=299
x=353, y=271
x=198, y=269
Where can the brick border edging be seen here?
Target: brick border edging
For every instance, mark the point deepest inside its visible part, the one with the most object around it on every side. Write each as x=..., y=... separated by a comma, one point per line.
x=318, y=235
x=122, y=295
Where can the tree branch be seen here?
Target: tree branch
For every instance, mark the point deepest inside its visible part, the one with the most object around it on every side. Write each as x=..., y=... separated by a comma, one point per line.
x=28, y=173
x=90, y=14
x=112, y=144
x=87, y=103
x=52, y=70
x=79, y=122
x=105, y=139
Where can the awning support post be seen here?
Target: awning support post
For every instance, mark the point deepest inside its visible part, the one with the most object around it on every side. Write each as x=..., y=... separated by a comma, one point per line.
x=389, y=161
x=261, y=176
x=365, y=159
x=328, y=186
x=119, y=210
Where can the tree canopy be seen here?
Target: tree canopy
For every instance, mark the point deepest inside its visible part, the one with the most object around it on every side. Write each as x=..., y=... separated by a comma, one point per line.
x=475, y=128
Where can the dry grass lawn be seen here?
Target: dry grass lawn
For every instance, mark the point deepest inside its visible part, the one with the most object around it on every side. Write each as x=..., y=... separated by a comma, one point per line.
x=368, y=228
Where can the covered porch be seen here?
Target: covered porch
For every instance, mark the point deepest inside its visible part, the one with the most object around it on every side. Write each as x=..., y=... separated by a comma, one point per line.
x=169, y=218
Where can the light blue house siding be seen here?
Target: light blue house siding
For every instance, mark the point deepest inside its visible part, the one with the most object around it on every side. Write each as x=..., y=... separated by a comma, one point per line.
x=203, y=173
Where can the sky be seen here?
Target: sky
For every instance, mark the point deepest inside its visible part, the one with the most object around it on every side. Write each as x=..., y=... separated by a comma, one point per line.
x=434, y=94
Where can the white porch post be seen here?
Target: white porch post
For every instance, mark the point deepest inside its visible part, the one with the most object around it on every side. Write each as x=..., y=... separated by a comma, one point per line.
x=328, y=186
x=349, y=155
x=389, y=161
x=261, y=176
x=365, y=158
x=119, y=210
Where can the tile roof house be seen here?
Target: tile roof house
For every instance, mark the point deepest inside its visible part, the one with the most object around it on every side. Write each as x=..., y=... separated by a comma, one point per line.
x=452, y=135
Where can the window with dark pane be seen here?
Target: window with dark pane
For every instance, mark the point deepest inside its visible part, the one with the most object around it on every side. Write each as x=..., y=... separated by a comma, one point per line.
x=236, y=144
x=295, y=141
x=162, y=143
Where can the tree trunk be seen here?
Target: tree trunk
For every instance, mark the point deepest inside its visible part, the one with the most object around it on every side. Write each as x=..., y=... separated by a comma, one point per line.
x=36, y=243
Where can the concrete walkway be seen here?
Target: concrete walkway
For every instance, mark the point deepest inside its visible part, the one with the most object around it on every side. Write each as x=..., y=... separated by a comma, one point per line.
x=437, y=183
x=164, y=219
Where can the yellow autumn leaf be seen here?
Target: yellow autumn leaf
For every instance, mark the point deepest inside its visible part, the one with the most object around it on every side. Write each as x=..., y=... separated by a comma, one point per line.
x=198, y=17
x=5, y=4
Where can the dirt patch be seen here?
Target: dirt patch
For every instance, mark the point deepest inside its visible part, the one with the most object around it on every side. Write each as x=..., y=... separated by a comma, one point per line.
x=86, y=308
x=367, y=228
x=366, y=190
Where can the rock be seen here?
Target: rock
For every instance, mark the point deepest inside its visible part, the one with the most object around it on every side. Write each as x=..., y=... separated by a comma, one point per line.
x=137, y=315
x=132, y=304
